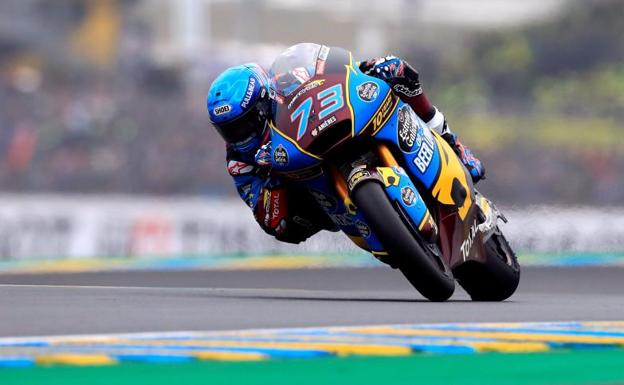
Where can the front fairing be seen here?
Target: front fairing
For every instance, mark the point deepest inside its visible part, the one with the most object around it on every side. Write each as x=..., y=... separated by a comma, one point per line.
x=319, y=115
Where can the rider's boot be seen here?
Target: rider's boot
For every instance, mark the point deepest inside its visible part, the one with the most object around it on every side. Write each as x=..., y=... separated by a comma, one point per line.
x=471, y=162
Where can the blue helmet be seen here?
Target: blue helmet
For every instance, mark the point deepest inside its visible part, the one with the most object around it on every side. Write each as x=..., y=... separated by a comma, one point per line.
x=238, y=102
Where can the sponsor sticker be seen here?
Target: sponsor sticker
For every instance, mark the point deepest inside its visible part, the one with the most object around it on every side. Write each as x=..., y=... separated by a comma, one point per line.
x=410, y=93
x=313, y=84
x=249, y=92
x=239, y=168
x=363, y=228
x=425, y=155
x=323, y=53
x=408, y=196
x=223, y=109
x=280, y=156
x=467, y=243
x=356, y=175
x=321, y=127
x=246, y=189
x=407, y=128
x=368, y=91
x=341, y=220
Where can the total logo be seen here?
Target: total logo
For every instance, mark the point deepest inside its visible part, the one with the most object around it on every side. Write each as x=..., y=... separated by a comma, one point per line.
x=468, y=242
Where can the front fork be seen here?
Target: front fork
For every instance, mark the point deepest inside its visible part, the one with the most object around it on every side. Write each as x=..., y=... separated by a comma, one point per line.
x=404, y=195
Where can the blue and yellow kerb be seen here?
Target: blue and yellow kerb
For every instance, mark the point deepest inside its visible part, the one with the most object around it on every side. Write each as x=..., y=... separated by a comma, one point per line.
x=255, y=345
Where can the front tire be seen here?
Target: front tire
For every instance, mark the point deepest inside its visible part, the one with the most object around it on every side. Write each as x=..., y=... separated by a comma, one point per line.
x=419, y=262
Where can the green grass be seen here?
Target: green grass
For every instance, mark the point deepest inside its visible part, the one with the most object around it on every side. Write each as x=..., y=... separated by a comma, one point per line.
x=490, y=131
x=580, y=367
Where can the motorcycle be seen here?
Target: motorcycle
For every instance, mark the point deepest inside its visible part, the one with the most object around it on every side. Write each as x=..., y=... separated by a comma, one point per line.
x=392, y=185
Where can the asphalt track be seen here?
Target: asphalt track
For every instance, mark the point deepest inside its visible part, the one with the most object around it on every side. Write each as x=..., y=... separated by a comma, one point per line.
x=140, y=301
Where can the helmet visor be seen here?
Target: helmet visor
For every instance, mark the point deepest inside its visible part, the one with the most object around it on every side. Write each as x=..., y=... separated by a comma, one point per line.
x=250, y=123
x=241, y=128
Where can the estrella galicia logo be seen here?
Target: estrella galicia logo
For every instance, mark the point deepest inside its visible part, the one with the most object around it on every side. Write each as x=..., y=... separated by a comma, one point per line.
x=407, y=129
x=280, y=156
x=368, y=91
x=408, y=196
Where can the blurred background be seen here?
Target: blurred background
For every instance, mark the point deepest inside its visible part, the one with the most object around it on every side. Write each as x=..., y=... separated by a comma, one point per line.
x=106, y=149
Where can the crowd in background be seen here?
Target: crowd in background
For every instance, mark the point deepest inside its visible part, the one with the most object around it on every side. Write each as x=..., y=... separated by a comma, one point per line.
x=90, y=134
x=141, y=129
x=105, y=136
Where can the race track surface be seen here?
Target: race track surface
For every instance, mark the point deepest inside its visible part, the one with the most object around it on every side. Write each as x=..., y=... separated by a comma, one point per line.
x=140, y=301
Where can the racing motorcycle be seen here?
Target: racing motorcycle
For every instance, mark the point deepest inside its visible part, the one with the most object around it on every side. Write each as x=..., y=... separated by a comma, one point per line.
x=393, y=186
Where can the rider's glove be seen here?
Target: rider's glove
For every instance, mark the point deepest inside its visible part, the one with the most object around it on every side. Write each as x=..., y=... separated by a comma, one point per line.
x=272, y=210
x=385, y=68
x=402, y=77
x=263, y=156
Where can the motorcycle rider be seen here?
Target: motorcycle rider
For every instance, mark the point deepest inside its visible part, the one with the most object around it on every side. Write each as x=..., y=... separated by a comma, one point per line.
x=239, y=107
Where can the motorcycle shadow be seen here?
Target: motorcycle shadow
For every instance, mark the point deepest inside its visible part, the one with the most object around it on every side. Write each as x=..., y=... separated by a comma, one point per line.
x=339, y=299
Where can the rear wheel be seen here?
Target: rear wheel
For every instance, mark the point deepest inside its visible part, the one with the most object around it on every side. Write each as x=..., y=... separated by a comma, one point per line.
x=420, y=262
x=495, y=280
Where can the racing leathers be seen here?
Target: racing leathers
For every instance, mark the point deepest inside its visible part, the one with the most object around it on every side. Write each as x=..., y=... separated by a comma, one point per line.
x=289, y=213
x=282, y=210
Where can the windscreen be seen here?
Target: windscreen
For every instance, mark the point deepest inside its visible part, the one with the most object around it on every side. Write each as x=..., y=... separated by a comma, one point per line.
x=295, y=66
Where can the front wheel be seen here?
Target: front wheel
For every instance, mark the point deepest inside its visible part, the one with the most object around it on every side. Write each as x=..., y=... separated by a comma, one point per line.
x=496, y=279
x=421, y=263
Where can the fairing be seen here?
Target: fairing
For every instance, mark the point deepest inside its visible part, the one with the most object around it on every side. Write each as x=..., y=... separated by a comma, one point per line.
x=337, y=103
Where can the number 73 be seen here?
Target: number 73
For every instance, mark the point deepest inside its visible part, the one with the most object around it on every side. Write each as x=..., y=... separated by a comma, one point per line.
x=331, y=100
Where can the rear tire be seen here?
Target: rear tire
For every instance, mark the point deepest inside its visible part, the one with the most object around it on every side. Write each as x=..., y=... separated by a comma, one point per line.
x=495, y=280
x=421, y=263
